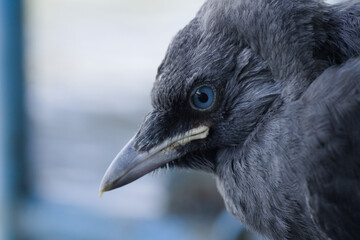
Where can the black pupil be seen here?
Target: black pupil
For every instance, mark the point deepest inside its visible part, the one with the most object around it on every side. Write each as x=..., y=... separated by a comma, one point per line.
x=203, y=97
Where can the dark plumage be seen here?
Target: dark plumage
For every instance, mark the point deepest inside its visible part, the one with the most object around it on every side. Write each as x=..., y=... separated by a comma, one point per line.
x=281, y=131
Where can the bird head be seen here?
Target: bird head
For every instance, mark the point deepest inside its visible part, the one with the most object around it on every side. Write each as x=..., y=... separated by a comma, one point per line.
x=210, y=93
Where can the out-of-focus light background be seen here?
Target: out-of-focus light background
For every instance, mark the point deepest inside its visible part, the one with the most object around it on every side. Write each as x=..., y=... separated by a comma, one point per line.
x=75, y=85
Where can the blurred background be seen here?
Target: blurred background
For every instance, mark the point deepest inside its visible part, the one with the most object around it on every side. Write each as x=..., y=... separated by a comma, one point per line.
x=75, y=81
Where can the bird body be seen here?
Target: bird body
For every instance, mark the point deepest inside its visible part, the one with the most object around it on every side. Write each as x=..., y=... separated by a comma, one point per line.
x=308, y=154
x=265, y=95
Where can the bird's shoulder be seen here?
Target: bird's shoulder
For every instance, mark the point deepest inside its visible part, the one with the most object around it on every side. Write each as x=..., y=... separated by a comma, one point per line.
x=330, y=123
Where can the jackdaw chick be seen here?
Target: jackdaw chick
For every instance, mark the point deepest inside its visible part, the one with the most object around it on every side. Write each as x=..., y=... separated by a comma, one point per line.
x=264, y=95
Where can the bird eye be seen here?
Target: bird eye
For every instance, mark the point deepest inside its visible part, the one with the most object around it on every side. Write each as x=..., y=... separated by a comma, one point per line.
x=203, y=97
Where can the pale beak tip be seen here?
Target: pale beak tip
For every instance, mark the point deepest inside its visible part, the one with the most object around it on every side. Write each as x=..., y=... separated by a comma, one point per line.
x=103, y=188
x=101, y=193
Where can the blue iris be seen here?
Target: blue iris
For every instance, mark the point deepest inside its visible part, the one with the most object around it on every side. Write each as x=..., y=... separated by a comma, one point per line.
x=203, y=97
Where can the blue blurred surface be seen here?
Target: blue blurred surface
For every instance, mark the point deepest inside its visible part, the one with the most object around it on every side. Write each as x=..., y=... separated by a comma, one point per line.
x=43, y=219
x=12, y=115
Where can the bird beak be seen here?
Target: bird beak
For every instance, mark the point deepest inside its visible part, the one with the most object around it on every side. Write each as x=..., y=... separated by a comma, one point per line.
x=131, y=164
